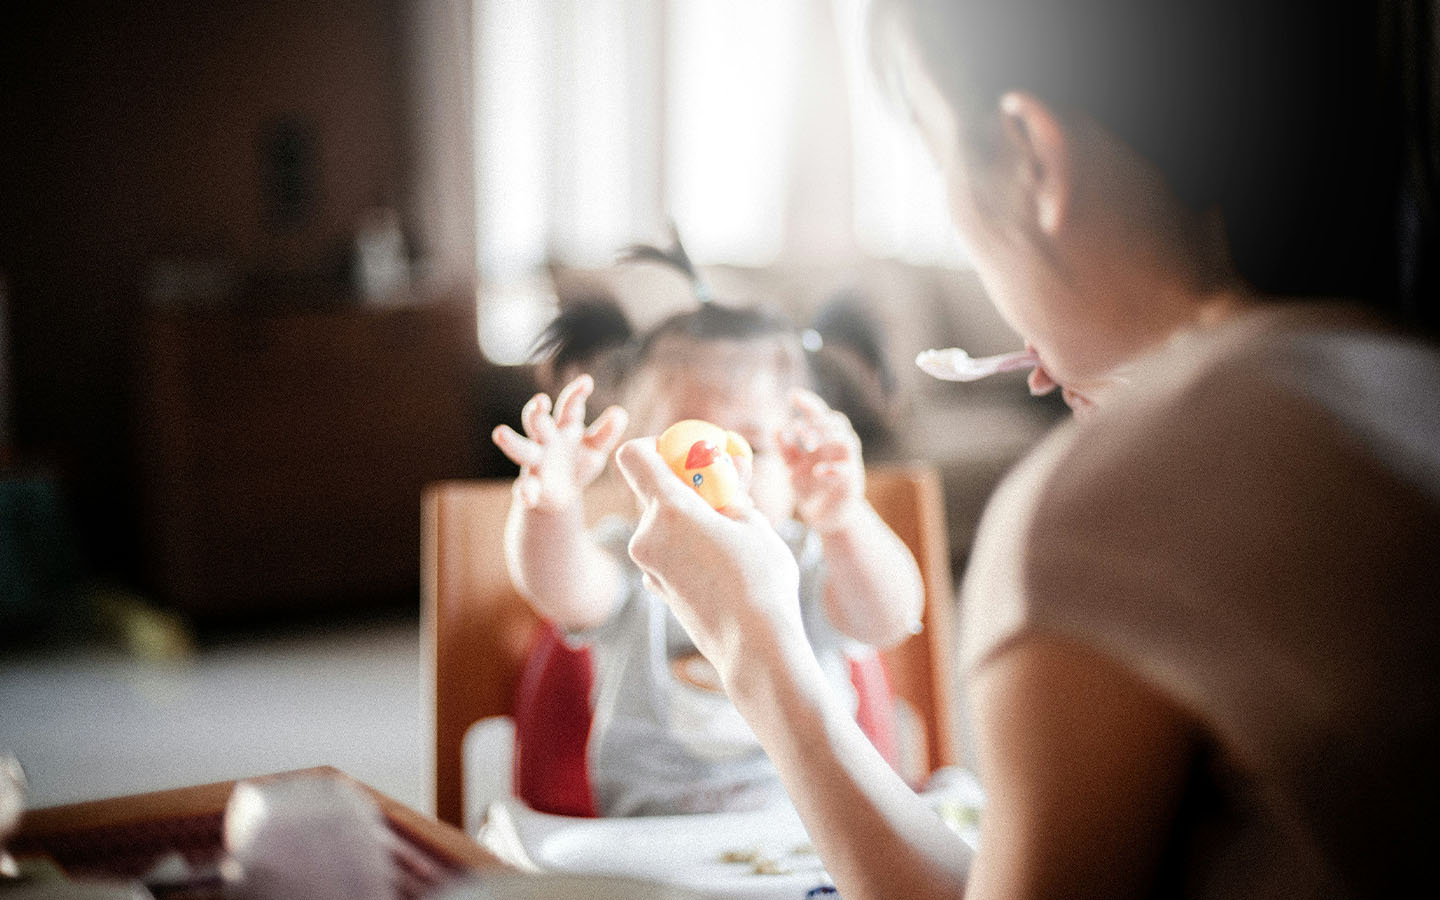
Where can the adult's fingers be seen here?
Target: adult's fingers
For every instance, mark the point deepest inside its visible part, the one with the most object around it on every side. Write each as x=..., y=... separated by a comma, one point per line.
x=570, y=405
x=654, y=483
x=521, y=451
x=741, y=508
x=745, y=468
x=653, y=585
x=650, y=478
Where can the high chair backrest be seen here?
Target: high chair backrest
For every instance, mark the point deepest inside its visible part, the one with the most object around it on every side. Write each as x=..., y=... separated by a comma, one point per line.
x=477, y=631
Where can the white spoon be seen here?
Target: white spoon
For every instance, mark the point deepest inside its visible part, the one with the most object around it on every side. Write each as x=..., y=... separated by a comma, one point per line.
x=954, y=364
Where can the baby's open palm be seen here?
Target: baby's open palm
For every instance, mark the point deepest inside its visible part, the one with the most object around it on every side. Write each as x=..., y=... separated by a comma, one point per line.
x=558, y=456
x=826, y=469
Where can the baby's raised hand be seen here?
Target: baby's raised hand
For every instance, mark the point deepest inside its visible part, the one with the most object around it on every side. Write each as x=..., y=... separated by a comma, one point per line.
x=827, y=473
x=558, y=456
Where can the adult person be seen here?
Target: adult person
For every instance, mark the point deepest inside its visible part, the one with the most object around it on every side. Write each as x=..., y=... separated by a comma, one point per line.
x=1200, y=630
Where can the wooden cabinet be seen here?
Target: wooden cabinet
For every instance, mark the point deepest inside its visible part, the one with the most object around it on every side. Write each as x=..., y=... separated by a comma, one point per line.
x=283, y=454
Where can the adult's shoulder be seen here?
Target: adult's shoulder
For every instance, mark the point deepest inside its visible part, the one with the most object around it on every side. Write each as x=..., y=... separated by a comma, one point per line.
x=1278, y=405
x=1242, y=466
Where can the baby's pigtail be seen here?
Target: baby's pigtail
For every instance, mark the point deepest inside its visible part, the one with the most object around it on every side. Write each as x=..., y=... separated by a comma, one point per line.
x=583, y=335
x=675, y=258
x=850, y=369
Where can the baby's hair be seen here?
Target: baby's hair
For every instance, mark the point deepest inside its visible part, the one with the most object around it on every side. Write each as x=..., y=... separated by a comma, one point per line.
x=675, y=258
x=597, y=330
x=585, y=330
x=845, y=319
x=714, y=322
x=850, y=369
x=846, y=364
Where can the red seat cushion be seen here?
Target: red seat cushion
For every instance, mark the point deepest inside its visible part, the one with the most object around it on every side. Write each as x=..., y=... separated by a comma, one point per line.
x=552, y=726
x=875, y=713
x=552, y=722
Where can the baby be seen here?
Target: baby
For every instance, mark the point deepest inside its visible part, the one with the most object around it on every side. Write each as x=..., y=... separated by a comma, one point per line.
x=664, y=738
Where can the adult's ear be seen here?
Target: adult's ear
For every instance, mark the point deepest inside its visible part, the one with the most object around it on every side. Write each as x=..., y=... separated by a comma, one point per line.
x=1039, y=146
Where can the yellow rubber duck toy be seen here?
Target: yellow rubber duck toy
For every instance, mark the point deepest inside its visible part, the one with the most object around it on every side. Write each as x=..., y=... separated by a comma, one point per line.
x=706, y=457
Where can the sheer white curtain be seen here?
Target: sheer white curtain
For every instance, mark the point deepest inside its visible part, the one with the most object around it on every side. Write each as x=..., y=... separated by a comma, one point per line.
x=730, y=101
x=598, y=120
x=567, y=148
x=899, y=208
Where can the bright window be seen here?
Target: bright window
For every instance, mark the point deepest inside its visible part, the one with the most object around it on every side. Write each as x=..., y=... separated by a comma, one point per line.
x=598, y=120
x=900, y=207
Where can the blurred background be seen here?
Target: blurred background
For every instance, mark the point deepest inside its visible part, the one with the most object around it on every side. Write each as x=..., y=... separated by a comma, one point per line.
x=267, y=268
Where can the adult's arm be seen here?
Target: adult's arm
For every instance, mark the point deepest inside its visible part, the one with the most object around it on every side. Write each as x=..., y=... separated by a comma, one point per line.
x=1084, y=767
x=732, y=582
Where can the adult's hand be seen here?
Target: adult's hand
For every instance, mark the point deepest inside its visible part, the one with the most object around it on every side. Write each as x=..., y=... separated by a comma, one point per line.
x=733, y=584
x=730, y=579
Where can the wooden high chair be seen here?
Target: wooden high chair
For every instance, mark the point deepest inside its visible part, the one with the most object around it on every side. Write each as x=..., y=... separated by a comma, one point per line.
x=477, y=631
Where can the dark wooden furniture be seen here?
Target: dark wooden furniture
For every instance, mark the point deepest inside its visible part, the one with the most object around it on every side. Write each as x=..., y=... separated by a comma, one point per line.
x=283, y=453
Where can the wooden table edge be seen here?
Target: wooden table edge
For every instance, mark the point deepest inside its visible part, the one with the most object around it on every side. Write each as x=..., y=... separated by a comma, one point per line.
x=442, y=838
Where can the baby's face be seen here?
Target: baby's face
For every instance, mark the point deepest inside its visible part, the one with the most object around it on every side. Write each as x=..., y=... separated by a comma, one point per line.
x=736, y=386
